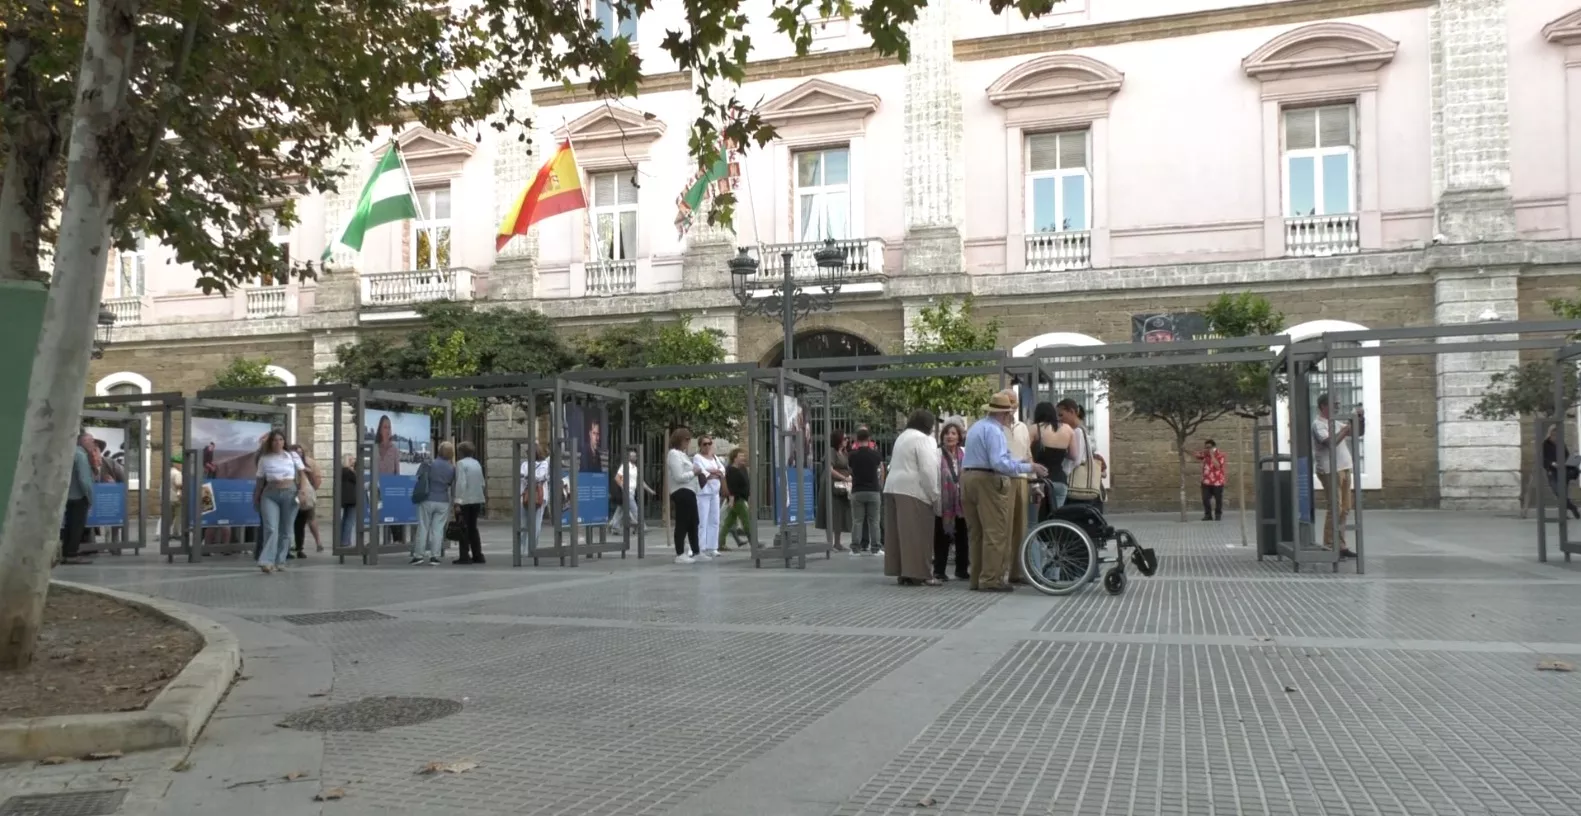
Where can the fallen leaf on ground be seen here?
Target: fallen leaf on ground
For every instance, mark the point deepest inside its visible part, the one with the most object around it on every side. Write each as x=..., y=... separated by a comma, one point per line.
x=330, y=795
x=54, y=760
x=114, y=689
x=319, y=694
x=104, y=755
x=1290, y=689
x=1555, y=666
x=461, y=766
x=121, y=778
x=182, y=766
x=295, y=775
x=927, y=801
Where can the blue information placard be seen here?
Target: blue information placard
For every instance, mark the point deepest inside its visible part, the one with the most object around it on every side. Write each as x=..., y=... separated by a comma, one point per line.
x=395, y=499
x=592, y=499
x=109, y=505
x=233, y=503
x=803, y=501
x=1304, y=488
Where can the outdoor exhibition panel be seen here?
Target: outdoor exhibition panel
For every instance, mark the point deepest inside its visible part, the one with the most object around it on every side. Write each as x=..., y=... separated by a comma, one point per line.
x=120, y=440
x=1464, y=338
x=389, y=444
x=221, y=438
x=165, y=404
x=576, y=493
x=794, y=447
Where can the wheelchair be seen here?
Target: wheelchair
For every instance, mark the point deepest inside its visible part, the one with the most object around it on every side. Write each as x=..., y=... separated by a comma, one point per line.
x=1067, y=548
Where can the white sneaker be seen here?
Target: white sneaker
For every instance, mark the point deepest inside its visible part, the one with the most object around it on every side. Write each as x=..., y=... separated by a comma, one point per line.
x=710, y=553
x=878, y=553
x=685, y=559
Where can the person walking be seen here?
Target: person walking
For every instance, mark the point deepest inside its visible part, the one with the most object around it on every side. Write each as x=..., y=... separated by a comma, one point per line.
x=432, y=494
x=867, y=494
x=1339, y=478
x=469, y=500
x=1212, y=460
x=1051, y=441
x=306, y=522
x=628, y=480
x=534, y=486
x=348, y=500
x=685, y=481
x=738, y=481
x=711, y=475
x=988, y=496
x=279, y=478
x=1556, y=456
x=177, y=481
x=79, y=500
x=910, y=493
x=949, y=528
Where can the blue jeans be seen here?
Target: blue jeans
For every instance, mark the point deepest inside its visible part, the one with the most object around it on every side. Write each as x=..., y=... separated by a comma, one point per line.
x=348, y=526
x=277, y=513
x=430, y=539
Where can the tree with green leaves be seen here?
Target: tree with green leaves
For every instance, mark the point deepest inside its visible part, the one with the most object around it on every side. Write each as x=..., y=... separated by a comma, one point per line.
x=457, y=340
x=1247, y=315
x=189, y=121
x=651, y=344
x=943, y=328
x=245, y=372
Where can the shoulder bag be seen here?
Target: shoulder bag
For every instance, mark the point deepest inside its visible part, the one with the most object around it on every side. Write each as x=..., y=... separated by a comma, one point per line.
x=1085, y=483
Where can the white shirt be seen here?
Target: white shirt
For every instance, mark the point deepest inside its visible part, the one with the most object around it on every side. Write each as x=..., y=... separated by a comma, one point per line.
x=1320, y=446
x=279, y=467
x=1076, y=454
x=633, y=479
x=709, y=465
x=914, y=467
x=534, y=472
x=678, y=466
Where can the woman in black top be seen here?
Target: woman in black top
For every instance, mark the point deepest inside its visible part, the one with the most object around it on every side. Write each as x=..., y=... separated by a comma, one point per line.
x=738, y=486
x=1552, y=462
x=348, y=499
x=1050, y=446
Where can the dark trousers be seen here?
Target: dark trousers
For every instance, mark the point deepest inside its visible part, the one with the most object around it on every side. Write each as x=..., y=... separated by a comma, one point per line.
x=1562, y=490
x=942, y=545
x=471, y=543
x=683, y=514
x=1213, y=501
x=75, y=524
x=299, y=527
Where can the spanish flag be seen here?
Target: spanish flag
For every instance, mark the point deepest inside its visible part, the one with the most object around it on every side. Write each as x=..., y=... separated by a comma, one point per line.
x=556, y=189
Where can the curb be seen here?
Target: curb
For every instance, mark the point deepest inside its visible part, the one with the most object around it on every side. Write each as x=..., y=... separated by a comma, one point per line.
x=174, y=718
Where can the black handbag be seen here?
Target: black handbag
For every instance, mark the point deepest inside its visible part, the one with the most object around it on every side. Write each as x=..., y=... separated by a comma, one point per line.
x=453, y=530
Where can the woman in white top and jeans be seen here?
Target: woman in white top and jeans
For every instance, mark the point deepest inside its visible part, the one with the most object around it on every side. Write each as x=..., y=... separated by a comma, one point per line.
x=713, y=474
x=274, y=496
x=685, y=482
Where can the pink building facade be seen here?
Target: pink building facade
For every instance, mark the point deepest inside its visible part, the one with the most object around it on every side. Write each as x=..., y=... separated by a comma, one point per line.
x=1364, y=163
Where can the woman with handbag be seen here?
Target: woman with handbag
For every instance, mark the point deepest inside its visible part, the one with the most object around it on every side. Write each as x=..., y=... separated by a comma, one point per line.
x=840, y=483
x=534, y=475
x=306, y=501
x=279, y=478
x=1083, y=479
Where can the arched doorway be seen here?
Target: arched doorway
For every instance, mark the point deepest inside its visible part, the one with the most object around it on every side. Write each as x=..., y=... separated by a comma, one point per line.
x=823, y=343
x=1357, y=381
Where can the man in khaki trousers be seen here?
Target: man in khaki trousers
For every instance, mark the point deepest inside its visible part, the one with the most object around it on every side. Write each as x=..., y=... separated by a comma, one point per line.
x=988, y=481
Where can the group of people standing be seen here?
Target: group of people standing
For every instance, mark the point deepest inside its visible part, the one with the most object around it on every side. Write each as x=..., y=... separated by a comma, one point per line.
x=700, y=486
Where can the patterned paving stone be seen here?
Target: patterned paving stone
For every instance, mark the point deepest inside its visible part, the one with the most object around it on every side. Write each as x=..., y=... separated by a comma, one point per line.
x=1144, y=729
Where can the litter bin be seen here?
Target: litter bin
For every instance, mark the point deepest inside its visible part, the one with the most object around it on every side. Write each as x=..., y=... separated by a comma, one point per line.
x=21, y=320
x=1273, y=485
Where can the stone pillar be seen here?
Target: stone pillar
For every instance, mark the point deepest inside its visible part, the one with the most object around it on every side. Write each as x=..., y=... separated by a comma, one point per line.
x=913, y=311
x=516, y=159
x=324, y=345
x=1479, y=462
x=725, y=323
x=709, y=248
x=934, y=197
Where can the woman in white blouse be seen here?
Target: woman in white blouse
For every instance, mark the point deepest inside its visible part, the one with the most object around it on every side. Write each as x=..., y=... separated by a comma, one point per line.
x=713, y=475
x=534, y=478
x=685, y=480
x=274, y=496
x=910, y=493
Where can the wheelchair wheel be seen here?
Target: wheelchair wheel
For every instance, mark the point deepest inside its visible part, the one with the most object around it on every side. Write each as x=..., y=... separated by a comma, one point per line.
x=1058, y=557
x=1114, y=579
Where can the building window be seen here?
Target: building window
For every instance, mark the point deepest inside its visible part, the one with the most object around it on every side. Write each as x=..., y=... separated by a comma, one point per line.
x=280, y=236
x=615, y=215
x=1320, y=160
x=431, y=250
x=610, y=22
x=823, y=194
x=1058, y=188
x=130, y=269
x=129, y=454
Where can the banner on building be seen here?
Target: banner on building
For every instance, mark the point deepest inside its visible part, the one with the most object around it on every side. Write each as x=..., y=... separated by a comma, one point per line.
x=1169, y=327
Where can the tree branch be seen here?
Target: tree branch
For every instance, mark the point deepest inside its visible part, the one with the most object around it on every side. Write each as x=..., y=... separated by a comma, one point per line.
x=192, y=12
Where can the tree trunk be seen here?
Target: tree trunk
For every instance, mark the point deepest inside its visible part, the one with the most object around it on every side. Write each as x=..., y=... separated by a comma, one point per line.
x=32, y=160
x=97, y=166
x=1240, y=477
x=1180, y=454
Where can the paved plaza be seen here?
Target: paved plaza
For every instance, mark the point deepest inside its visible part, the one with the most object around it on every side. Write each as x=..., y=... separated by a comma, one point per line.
x=1224, y=685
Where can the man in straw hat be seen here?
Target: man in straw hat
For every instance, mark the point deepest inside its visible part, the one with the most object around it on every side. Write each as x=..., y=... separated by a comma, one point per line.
x=988, y=489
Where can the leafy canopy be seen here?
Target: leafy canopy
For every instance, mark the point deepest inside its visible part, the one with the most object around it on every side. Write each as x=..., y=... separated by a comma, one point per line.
x=942, y=328
x=238, y=107
x=456, y=339
x=651, y=344
x=1527, y=390
x=1247, y=315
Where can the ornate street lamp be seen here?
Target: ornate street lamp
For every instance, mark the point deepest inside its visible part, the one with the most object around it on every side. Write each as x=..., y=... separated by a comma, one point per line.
x=101, y=335
x=787, y=298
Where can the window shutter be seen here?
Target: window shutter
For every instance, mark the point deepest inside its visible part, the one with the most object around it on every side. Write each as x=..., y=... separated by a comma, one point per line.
x=626, y=192
x=1073, y=150
x=1334, y=127
x=604, y=185
x=1300, y=129
x=1042, y=152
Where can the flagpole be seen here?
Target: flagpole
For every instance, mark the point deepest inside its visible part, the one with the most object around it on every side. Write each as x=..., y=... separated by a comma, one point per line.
x=592, y=229
x=411, y=189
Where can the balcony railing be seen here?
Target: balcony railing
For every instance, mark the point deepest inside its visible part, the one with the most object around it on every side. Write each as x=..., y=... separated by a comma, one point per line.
x=416, y=286
x=607, y=277
x=1319, y=236
x=128, y=311
x=864, y=261
x=265, y=301
x=1059, y=251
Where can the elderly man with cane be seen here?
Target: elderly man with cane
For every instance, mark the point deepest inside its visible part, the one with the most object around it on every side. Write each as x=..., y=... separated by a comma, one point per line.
x=989, y=478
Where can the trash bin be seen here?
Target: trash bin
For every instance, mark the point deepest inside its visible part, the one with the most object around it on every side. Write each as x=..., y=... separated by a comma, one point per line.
x=1274, y=485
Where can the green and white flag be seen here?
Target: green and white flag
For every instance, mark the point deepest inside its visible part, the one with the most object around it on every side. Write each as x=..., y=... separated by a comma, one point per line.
x=387, y=197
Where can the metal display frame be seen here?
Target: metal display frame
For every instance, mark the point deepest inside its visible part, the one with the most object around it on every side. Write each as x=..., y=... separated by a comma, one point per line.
x=369, y=540
x=192, y=539
x=1427, y=341
x=131, y=424
x=165, y=404
x=568, y=539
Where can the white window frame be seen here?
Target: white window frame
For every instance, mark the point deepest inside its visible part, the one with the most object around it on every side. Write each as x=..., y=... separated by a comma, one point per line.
x=614, y=209
x=426, y=204
x=1059, y=188
x=144, y=385
x=597, y=9
x=822, y=192
x=139, y=258
x=1317, y=154
x=279, y=239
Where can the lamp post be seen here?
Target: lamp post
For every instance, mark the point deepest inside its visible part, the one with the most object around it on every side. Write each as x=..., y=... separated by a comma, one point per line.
x=101, y=334
x=789, y=300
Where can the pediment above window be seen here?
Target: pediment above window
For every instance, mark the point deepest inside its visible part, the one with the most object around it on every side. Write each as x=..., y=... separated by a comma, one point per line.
x=818, y=99
x=1055, y=78
x=1564, y=31
x=432, y=156
x=607, y=123
x=1321, y=48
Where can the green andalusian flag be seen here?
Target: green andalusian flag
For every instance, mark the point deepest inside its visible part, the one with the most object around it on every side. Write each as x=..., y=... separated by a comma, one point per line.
x=387, y=197
x=704, y=182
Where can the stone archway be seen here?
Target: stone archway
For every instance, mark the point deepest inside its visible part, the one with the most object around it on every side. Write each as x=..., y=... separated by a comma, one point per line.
x=823, y=343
